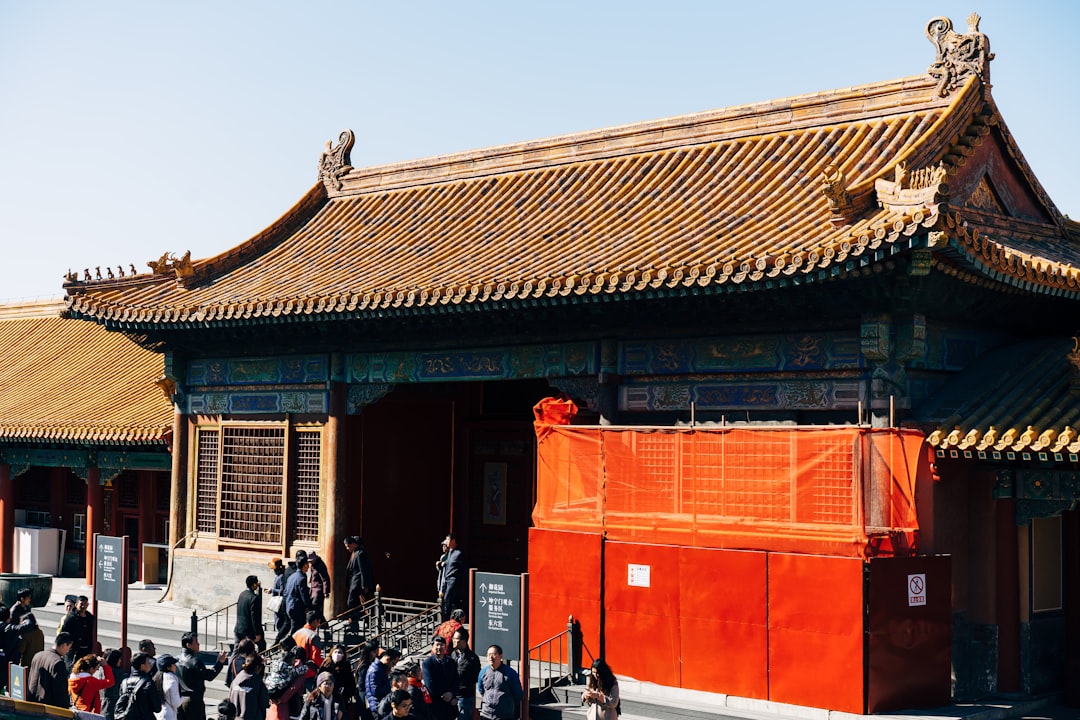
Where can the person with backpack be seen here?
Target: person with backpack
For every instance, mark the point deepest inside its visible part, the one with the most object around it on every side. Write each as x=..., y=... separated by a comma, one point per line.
x=139, y=699
x=285, y=684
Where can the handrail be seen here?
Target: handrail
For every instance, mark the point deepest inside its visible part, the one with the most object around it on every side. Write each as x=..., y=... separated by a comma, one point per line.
x=556, y=661
x=205, y=635
x=389, y=622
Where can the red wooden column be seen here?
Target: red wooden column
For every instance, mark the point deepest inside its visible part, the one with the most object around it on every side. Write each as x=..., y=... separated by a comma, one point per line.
x=7, y=520
x=147, y=517
x=334, y=496
x=95, y=517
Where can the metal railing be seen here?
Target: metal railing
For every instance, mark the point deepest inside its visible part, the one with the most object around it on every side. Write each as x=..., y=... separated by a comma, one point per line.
x=405, y=624
x=389, y=622
x=215, y=629
x=556, y=661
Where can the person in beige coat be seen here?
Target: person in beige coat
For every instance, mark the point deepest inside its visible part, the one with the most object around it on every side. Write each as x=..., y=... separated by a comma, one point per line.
x=601, y=693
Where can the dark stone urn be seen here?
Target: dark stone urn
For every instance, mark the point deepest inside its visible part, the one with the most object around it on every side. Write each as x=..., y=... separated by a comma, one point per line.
x=40, y=588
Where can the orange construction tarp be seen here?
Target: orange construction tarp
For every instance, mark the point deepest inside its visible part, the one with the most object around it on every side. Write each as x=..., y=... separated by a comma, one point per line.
x=847, y=491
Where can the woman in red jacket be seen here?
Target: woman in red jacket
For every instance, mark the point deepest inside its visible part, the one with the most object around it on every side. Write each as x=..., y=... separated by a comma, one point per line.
x=84, y=688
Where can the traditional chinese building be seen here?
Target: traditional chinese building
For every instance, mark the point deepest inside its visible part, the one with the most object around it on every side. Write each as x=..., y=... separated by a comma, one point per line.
x=367, y=364
x=84, y=438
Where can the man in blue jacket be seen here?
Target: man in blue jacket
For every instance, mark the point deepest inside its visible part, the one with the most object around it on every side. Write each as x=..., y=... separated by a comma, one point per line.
x=298, y=594
x=500, y=688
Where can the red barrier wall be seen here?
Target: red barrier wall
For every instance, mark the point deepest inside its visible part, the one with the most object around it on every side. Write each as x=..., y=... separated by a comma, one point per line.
x=642, y=624
x=564, y=579
x=816, y=631
x=724, y=616
x=909, y=640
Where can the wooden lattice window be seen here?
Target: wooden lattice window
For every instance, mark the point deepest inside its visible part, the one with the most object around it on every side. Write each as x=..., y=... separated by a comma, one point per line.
x=207, y=480
x=252, y=484
x=306, y=495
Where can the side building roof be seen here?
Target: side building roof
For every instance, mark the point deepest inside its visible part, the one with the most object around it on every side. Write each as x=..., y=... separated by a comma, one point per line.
x=759, y=196
x=64, y=382
x=1020, y=398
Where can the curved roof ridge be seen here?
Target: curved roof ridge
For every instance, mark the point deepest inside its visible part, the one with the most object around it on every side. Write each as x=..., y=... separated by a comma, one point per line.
x=862, y=102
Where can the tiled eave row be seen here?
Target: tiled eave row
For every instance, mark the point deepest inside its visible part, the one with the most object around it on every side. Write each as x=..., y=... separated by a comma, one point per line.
x=996, y=256
x=1018, y=400
x=873, y=242
x=84, y=435
x=869, y=241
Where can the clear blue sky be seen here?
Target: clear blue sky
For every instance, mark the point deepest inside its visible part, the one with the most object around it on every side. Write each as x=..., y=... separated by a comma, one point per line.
x=128, y=129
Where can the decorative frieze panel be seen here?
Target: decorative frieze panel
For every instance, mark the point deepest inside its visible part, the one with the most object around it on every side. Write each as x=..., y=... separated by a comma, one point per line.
x=21, y=460
x=506, y=363
x=745, y=353
x=120, y=461
x=258, y=402
x=1038, y=493
x=764, y=395
x=111, y=463
x=231, y=372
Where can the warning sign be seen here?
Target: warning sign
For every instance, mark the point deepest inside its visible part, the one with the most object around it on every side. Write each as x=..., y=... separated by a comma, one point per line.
x=916, y=589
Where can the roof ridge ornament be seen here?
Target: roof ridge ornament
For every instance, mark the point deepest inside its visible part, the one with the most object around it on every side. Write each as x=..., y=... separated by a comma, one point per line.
x=958, y=56
x=834, y=188
x=334, y=162
x=925, y=187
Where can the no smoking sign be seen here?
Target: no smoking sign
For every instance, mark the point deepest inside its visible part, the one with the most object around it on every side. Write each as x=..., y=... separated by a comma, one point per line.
x=916, y=589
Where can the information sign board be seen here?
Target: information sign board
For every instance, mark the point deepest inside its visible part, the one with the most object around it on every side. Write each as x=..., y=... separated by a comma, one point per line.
x=109, y=569
x=496, y=613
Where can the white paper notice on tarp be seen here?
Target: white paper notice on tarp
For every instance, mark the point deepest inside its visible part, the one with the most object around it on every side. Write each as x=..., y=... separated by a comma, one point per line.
x=916, y=589
x=638, y=575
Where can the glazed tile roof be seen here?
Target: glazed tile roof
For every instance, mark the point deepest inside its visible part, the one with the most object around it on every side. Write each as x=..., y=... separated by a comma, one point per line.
x=776, y=193
x=1018, y=398
x=63, y=381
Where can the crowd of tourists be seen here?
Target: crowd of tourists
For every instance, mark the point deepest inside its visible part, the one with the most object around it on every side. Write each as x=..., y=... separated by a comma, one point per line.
x=304, y=681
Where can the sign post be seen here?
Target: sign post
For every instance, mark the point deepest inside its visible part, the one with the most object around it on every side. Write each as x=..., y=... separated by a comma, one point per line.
x=498, y=616
x=16, y=682
x=110, y=578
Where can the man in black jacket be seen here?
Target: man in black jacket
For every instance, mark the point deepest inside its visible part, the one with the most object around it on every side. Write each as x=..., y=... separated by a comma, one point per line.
x=47, y=678
x=468, y=670
x=80, y=625
x=249, y=614
x=358, y=573
x=10, y=635
x=145, y=698
x=441, y=680
x=193, y=675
